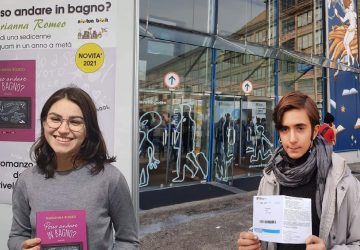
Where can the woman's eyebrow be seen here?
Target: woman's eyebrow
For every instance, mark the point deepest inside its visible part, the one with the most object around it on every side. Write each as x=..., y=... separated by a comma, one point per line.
x=72, y=116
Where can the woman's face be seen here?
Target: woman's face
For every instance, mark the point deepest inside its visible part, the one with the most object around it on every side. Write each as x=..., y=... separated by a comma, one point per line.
x=64, y=128
x=295, y=134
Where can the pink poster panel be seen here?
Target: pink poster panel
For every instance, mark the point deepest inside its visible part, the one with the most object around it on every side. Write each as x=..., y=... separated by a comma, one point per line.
x=17, y=100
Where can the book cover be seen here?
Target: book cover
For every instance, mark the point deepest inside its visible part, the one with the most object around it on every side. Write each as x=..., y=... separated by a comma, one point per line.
x=340, y=128
x=357, y=124
x=17, y=100
x=62, y=230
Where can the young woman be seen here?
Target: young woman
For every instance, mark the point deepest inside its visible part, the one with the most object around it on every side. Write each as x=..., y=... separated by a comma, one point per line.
x=73, y=171
x=305, y=166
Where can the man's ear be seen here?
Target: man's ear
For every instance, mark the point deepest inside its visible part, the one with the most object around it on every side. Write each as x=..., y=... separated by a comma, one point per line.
x=316, y=130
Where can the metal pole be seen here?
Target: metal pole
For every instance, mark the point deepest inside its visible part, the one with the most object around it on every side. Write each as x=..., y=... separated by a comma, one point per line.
x=213, y=21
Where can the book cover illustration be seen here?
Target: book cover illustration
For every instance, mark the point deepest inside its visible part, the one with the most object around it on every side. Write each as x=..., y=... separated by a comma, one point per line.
x=357, y=124
x=62, y=230
x=339, y=128
x=17, y=100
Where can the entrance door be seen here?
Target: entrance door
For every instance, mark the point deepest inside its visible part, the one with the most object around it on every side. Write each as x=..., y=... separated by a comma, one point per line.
x=242, y=137
x=173, y=135
x=226, y=136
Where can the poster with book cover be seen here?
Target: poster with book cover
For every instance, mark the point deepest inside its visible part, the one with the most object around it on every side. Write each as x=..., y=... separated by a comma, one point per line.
x=62, y=230
x=17, y=100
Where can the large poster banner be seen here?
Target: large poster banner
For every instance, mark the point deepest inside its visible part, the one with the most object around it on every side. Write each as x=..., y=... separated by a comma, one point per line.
x=344, y=86
x=44, y=46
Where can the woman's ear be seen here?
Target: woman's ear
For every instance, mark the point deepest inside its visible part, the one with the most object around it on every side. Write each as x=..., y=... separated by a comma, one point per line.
x=316, y=130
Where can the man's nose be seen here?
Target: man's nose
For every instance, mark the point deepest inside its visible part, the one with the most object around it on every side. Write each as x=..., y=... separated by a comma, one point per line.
x=292, y=136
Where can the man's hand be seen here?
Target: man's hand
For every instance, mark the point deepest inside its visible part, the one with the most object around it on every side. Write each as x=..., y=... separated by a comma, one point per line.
x=248, y=241
x=314, y=243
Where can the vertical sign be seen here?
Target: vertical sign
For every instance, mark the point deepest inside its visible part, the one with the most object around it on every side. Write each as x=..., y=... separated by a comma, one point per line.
x=89, y=43
x=45, y=46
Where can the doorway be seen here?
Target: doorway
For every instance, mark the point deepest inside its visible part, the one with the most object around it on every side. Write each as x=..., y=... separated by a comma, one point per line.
x=173, y=139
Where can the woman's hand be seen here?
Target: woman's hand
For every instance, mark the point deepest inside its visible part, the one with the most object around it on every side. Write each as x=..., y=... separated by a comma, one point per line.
x=248, y=241
x=31, y=244
x=314, y=243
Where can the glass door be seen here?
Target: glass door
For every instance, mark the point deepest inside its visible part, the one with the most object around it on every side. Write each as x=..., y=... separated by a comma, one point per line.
x=173, y=136
x=256, y=135
x=243, y=137
x=174, y=120
x=226, y=136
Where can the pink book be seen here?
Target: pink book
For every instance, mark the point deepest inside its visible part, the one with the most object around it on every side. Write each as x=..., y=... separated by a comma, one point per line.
x=62, y=230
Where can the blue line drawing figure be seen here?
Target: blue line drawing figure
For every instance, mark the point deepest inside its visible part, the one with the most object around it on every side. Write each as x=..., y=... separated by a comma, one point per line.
x=261, y=148
x=192, y=163
x=225, y=140
x=146, y=145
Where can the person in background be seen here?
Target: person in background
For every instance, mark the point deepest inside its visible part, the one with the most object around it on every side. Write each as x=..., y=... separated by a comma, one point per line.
x=305, y=166
x=327, y=129
x=73, y=171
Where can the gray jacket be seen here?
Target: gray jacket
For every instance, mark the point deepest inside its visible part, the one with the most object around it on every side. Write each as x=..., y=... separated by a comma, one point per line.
x=340, y=217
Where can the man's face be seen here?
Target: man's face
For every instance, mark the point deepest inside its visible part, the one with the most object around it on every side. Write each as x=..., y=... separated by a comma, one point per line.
x=295, y=133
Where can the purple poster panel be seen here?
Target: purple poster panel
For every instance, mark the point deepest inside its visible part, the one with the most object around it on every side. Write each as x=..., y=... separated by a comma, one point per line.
x=17, y=100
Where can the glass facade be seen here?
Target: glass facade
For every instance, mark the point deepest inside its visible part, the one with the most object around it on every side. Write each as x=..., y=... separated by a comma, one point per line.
x=234, y=60
x=185, y=14
x=174, y=124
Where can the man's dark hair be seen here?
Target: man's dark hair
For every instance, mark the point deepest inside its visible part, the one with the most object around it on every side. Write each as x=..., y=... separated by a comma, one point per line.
x=329, y=118
x=296, y=100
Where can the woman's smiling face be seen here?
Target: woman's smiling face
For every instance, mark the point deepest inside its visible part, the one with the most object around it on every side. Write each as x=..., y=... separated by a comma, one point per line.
x=64, y=129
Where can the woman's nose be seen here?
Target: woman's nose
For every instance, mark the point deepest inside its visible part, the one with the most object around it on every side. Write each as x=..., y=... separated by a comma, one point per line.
x=64, y=127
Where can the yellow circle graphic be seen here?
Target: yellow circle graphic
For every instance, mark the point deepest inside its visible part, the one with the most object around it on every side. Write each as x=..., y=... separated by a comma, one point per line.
x=89, y=57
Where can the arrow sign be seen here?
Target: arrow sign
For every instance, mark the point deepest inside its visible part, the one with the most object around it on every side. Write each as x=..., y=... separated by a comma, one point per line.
x=247, y=86
x=171, y=80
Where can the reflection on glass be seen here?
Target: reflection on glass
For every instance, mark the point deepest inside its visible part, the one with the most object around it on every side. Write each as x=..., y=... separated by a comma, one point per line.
x=187, y=14
x=301, y=26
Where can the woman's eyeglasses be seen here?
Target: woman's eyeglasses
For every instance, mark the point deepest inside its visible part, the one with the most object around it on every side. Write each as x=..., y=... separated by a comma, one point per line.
x=74, y=123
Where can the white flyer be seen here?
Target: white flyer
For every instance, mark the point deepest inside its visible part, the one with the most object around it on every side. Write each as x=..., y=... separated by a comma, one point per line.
x=282, y=219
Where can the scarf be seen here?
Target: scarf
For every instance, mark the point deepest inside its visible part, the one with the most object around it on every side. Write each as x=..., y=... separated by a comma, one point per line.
x=290, y=174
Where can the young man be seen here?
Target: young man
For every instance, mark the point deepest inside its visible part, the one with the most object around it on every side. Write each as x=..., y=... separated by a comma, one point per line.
x=305, y=166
